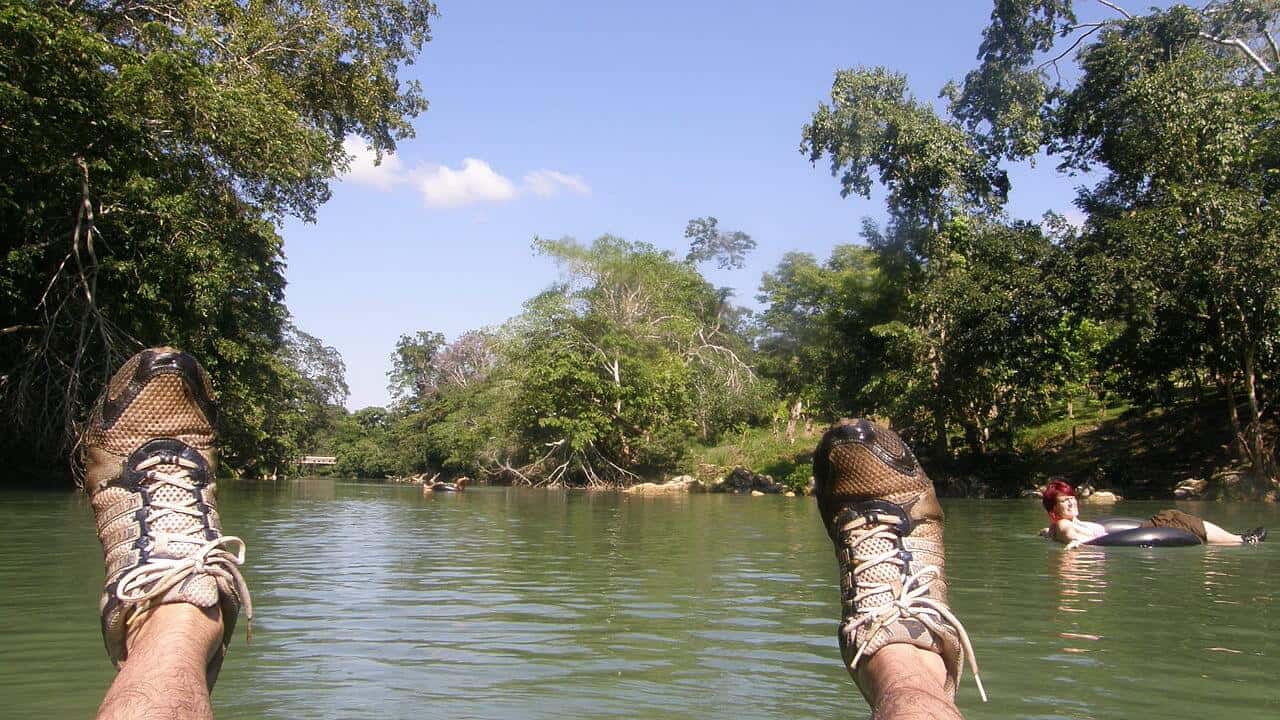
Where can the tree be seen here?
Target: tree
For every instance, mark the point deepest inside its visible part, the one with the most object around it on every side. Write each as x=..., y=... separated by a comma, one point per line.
x=414, y=375
x=319, y=364
x=147, y=151
x=317, y=388
x=816, y=340
x=937, y=181
x=708, y=242
x=1178, y=107
x=614, y=369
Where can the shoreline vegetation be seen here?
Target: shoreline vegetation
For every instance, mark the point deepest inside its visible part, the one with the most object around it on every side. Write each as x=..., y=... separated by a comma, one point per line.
x=1113, y=454
x=150, y=159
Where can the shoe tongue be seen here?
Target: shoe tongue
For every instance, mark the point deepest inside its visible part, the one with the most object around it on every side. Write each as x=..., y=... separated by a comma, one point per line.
x=170, y=521
x=177, y=534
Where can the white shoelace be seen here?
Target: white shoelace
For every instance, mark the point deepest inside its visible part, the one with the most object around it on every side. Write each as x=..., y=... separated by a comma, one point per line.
x=142, y=585
x=911, y=602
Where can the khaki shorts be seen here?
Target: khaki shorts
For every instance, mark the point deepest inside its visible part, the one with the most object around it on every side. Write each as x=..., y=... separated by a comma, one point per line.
x=1180, y=520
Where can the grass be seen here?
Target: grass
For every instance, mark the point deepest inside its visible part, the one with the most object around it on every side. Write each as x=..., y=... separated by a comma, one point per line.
x=760, y=450
x=1089, y=414
x=1140, y=453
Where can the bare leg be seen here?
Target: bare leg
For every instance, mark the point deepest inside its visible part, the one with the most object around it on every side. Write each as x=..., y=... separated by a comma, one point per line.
x=164, y=677
x=904, y=682
x=1215, y=535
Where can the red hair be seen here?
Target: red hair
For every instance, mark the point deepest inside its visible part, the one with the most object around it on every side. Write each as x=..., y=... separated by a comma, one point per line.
x=1052, y=492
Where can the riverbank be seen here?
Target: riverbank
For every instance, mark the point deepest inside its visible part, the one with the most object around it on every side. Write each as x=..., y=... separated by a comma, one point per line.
x=1178, y=453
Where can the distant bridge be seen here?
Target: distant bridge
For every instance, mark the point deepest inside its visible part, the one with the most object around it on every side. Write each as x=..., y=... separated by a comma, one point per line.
x=318, y=460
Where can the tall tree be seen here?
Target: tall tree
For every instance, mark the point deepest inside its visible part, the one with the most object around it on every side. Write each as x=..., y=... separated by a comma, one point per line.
x=414, y=374
x=1177, y=106
x=147, y=151
x=816, y=332
x=618, y=366
x=936, y=179
x=708, y=242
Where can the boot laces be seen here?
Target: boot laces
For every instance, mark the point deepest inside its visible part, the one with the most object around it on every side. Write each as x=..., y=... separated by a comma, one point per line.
x=144, y=585
x=912, y=601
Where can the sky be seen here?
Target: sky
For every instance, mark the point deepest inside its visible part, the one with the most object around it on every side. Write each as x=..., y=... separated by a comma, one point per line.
x=581, y=118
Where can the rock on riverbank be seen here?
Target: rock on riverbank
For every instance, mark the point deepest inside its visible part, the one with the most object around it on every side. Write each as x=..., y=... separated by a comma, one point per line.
x=742, y=481
x=682, y=484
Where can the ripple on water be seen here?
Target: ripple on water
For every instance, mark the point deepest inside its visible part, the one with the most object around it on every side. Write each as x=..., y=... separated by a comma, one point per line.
x=376, y=602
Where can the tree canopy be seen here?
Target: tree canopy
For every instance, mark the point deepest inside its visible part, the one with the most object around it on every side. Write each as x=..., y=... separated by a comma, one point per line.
x=146, y=153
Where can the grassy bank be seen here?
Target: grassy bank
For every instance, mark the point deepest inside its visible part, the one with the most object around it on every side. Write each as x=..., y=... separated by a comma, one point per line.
x=1139, y=453
x=759, y=449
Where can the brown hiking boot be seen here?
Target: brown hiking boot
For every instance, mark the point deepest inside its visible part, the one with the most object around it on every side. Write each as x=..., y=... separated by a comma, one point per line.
x=149, y=459
x=885, y=521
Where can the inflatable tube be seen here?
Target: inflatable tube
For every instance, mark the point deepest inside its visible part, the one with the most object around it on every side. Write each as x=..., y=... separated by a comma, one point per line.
x=1147, y=537
x=1116, y=524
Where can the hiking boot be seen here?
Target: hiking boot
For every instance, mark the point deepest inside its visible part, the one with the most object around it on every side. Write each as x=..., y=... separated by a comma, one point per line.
x=885, y=521
x=150, y=457
x=1254, y=536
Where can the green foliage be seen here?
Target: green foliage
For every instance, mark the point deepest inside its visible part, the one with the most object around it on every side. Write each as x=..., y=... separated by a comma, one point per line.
x=930, y=167
x=761, y=449
x=708, y=242
x=145, y=154
x=604, y=378
x=412, y=373
x=954, y=319
x=617, y=366
x=816, y=337
x=1178, y=257
x=315, y=388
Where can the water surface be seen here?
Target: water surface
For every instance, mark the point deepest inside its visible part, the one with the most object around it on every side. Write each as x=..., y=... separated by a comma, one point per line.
x=373, y=601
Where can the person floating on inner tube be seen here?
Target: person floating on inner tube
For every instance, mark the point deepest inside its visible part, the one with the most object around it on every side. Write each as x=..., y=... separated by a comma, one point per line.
x=458, y=486
x=1065, y=524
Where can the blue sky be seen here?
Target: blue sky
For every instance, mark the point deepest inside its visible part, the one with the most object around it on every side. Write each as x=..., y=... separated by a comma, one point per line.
x=584, y=118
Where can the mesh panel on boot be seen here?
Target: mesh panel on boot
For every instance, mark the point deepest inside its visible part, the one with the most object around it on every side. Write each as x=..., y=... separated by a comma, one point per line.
x=162, y=409
x=858, y=472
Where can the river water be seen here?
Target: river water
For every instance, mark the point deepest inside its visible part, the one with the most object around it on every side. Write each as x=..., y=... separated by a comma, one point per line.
x=373, y=601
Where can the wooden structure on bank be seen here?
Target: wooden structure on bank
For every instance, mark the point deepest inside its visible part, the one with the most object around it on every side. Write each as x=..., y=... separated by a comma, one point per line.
x=318, y=460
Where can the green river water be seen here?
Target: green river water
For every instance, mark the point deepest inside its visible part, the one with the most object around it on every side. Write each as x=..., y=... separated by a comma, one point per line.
x=373, y=601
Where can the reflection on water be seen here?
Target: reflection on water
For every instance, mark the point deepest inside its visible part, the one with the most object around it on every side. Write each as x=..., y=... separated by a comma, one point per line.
x=1082, y=585
x=374, y=601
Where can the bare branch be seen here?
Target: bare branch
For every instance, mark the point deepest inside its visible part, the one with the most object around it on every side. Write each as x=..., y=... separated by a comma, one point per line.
x=1096, y=27
x=1117, y=8
x=1244, y=47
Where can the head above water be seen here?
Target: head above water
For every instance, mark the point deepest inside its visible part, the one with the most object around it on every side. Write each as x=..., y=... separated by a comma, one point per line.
x=1052, y=492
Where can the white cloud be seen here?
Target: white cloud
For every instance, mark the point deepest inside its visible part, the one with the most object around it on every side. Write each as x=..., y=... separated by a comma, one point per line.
x=545, y=183
x=363, y=169
x=475, y=182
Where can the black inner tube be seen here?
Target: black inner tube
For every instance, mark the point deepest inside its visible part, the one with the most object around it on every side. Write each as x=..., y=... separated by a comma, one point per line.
x=1122, y=531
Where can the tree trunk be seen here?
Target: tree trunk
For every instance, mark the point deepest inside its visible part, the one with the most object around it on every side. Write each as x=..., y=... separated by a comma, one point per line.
x=1071, y=415
x=793, y=416
x=1237, y=433
x=940, y=432
x=1260, y=456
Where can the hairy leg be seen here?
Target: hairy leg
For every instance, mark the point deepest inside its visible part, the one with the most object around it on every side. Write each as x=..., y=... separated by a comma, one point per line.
x=904, y=682
x=164, y=677
x=1215, y=535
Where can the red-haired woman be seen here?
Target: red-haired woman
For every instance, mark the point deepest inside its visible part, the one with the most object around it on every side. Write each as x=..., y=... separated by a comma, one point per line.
x=1065, y=524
